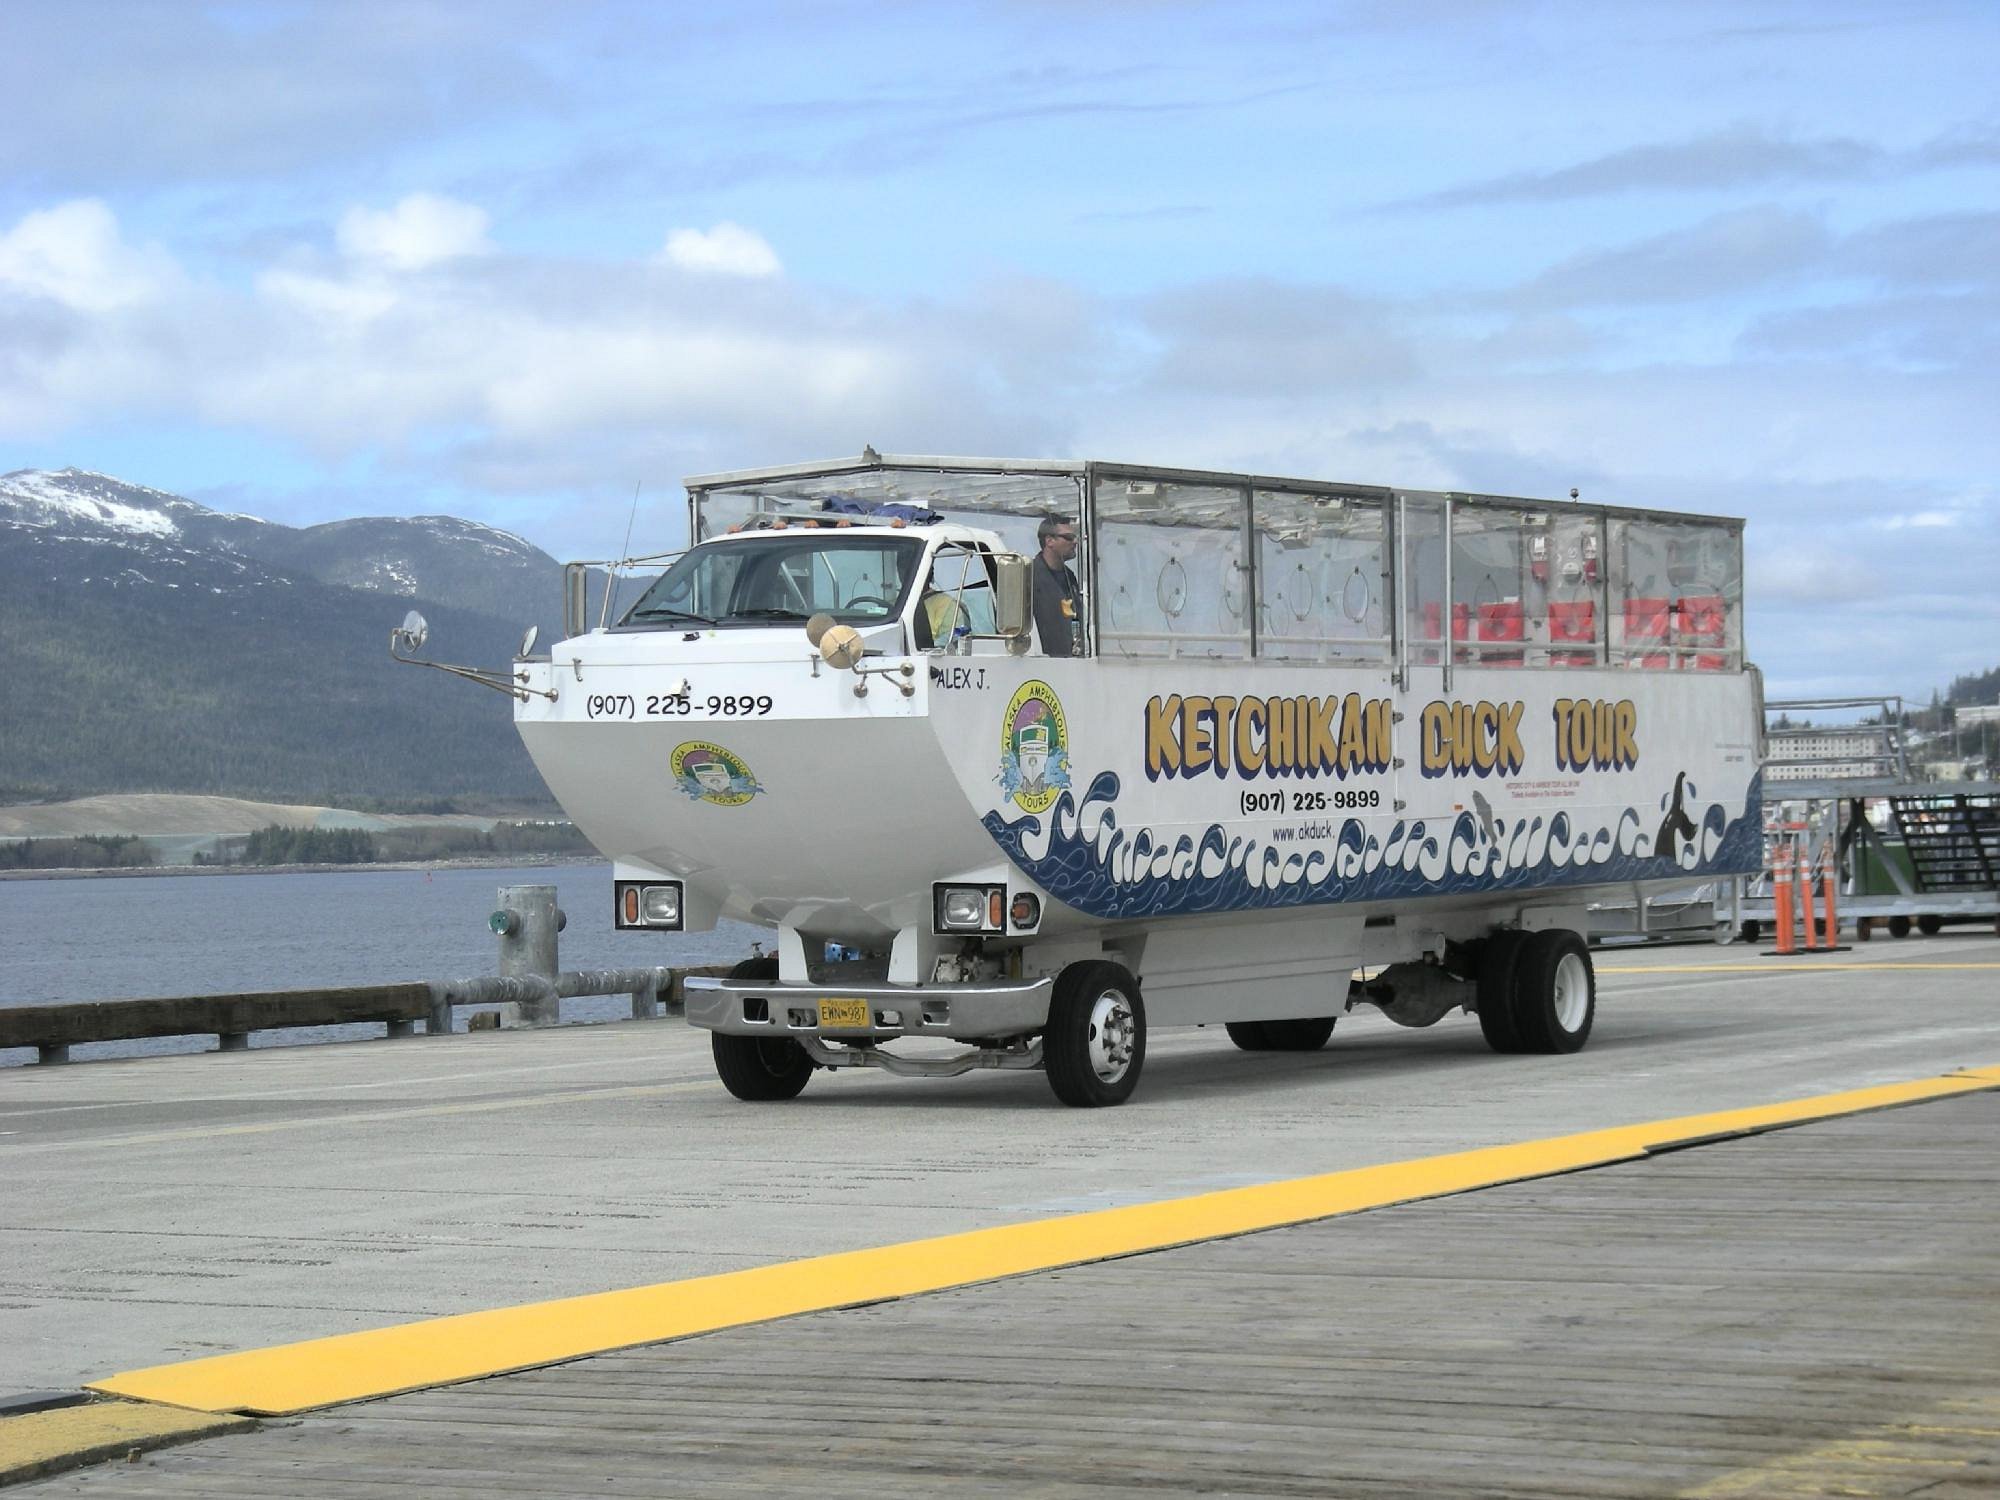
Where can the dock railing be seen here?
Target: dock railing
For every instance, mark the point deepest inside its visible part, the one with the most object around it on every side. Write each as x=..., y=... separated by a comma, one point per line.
x=529, y=984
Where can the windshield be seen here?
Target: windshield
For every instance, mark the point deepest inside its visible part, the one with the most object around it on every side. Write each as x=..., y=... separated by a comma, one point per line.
x=859, y=580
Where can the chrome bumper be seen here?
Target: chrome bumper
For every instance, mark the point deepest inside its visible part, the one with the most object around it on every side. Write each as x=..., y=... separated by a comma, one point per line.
x=961, y=1012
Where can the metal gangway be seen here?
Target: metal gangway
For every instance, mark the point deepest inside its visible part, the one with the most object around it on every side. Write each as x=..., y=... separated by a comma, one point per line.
x=1840, y=794
x=1907, y=854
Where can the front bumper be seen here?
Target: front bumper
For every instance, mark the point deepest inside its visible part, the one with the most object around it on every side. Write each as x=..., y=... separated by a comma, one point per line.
x=961, y=1012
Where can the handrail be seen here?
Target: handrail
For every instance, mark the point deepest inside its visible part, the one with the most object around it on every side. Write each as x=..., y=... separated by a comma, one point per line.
x=52, y=1029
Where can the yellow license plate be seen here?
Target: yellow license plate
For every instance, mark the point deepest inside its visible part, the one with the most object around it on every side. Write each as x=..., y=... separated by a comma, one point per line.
x=844, y=1015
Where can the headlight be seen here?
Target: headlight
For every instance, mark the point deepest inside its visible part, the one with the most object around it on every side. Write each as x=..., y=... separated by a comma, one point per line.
x=970, y=908
x=647, y=904
x=964, y=907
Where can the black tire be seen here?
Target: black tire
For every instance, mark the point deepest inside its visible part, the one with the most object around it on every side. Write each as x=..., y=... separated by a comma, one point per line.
x=761, y=1069
x=1864, y=930
x=1899, y=927
x=1751, y=931
x=1498, y=958
x=1555, y=992
x=1930, y=926
x=1090, y=1063
x=1248, y=1035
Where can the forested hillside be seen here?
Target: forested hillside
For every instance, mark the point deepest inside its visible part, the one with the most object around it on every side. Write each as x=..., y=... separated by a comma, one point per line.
x=139, y=658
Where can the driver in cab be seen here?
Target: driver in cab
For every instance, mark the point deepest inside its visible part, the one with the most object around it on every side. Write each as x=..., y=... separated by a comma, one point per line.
x=1058, y=597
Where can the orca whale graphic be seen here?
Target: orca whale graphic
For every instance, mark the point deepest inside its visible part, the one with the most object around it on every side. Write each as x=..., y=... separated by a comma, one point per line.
x=1676, y=822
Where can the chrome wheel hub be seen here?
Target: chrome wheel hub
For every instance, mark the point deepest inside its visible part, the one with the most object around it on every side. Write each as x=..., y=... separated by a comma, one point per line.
x=1112, y=1033
x=1572, y=993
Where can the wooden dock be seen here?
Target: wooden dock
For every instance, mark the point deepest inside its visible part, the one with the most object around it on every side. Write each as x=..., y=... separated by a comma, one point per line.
x=1813, y=1311
x=1810, y=1312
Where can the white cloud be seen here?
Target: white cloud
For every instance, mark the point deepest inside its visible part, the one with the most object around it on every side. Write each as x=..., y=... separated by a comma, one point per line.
x=331, y=299
x=541, y=381
x=421, y=231
x=73, y=254
x=726, y=250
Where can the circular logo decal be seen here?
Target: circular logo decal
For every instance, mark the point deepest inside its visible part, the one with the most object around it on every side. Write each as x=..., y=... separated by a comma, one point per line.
x=1034, y=748
x=709, y=773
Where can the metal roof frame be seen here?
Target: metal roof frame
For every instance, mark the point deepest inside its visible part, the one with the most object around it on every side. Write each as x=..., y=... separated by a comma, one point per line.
x=1091, y=469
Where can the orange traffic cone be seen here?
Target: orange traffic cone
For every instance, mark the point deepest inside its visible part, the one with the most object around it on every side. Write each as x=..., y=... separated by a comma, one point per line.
x=1781, y=896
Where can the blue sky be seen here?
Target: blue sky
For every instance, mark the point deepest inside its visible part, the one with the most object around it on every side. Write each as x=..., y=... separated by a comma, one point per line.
x=509, y=260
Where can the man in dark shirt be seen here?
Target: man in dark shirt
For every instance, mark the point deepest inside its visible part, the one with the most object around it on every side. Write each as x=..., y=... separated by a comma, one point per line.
x=1058, y=599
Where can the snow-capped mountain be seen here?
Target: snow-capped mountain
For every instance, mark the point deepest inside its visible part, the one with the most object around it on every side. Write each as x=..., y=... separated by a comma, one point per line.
x=150, y=643
x=437, y=558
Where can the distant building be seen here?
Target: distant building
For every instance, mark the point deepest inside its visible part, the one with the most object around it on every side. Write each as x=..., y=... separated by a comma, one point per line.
x=1840, y=752
x=1980, y=713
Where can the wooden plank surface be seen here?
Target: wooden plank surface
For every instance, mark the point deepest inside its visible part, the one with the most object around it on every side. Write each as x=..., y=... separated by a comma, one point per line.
x=1804, y=1313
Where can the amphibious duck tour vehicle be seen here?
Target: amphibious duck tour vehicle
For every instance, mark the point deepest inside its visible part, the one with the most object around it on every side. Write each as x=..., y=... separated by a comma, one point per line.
x=1313, y=745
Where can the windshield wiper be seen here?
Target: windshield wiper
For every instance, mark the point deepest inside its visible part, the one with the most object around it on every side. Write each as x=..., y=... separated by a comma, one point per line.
x=766, y=612
x=661, y=612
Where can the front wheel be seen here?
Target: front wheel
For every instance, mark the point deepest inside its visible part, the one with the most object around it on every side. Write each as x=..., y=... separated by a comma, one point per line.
x=762, y=1069
x=1095, y=1043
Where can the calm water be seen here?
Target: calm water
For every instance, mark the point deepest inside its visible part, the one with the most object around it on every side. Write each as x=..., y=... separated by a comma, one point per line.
x=113, y=939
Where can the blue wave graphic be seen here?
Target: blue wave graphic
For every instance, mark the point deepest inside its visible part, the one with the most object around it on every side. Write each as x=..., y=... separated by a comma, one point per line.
x=1083, y=857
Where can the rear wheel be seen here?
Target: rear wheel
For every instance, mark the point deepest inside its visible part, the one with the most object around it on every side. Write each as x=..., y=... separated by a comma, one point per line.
x=1899, y=927
x=1555, y=992
x=1864, y=930
x=1248, y=1035
x=1751, y=931
x=1305, y=1035
x=761, y=1069
x=1930, y=926
x=1496, y=990
x=1095, y=1043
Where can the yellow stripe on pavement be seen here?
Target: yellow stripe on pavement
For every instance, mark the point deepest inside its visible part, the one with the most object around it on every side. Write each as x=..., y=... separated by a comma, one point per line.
x=440, y=1351
x=1807, y=967
x=47, y=1442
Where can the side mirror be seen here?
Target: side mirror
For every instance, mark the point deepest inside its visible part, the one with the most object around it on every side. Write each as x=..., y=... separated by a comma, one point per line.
x=576, y=599
x=528, y=641
x=409, y=637
x=1013, y=596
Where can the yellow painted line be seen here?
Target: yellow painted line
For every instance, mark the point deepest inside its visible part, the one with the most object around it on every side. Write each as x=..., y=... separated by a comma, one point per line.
x=46, y=1442
x=440, y=1351
x=1779, y=968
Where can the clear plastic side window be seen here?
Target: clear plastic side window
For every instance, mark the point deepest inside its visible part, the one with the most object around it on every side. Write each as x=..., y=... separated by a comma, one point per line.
x=1492, y=593
x=957, y=599
x=1676, y=595
x=1527, y=586
x=722, y=511
x=1172, y=573
x=1322, y=576
x=1423, y=543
